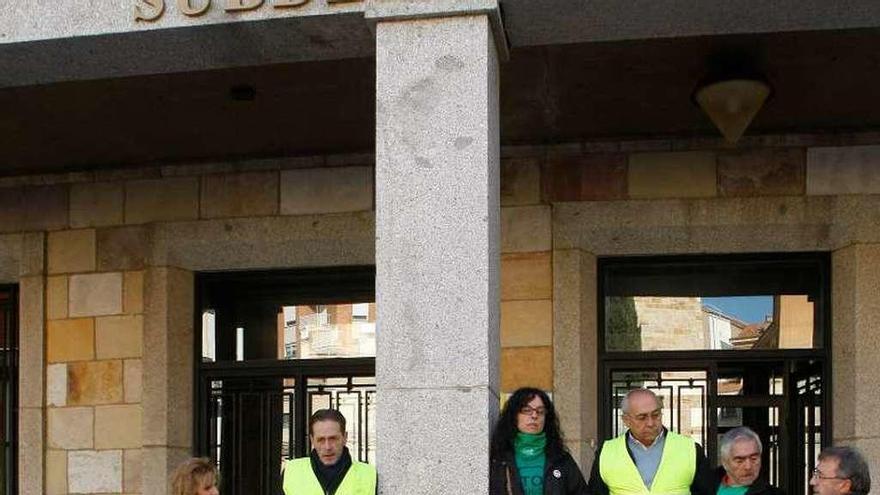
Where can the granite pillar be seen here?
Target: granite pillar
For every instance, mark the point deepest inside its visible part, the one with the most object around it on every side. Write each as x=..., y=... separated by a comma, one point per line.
x=437, y=248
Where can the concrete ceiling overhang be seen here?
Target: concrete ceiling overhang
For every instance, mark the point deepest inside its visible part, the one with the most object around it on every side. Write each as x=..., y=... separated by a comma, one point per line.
x=67, y=40
x=315, y=93
x=554, y=22
x=822, y=81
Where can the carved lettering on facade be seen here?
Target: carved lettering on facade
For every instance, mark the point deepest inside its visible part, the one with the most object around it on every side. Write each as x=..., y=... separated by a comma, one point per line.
x=152, y=10
x=148, y=10
x=187, y=7
x=283, y=4
x=238, y=5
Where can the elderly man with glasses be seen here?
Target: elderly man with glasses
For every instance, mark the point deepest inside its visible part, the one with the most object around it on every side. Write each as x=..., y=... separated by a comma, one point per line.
x=631, y=463
x=841, y=470
x=740, y=471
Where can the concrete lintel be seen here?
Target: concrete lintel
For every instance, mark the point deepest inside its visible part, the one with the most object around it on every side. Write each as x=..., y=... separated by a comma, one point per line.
x=191, y=48
x=404, y=10
x=717, y=225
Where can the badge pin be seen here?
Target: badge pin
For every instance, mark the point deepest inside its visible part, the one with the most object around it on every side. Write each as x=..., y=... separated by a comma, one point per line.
x=557, y=474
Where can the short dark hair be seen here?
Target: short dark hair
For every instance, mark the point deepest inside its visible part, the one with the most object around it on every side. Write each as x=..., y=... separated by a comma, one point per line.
x=327, y=415
x=850, y=465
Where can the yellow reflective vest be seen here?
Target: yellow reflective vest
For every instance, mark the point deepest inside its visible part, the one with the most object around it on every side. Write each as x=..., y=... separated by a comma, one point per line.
x=674, y=474
x=300, y=479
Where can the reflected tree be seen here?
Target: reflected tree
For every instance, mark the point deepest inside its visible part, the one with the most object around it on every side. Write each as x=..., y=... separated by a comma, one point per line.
x=622, y=331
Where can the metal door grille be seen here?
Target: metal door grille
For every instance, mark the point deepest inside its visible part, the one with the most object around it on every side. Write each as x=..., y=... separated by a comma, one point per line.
x=8, y=390
x=252, y=424
x=781, y=400
x=255, y=392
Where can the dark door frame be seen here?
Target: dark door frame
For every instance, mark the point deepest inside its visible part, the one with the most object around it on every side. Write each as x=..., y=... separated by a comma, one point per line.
x=787, y=403
x=709, y=359
x=332, y=285
x=9, y=365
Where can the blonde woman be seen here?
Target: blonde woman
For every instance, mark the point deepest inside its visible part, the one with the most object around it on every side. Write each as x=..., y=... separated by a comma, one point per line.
x=196, y=476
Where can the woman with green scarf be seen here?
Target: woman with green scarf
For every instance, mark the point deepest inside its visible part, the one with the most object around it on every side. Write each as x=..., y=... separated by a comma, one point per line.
x=528, y=455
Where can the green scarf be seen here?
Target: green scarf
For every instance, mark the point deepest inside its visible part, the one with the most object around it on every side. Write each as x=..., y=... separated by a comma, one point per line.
x=732, y=490
x=530, y=460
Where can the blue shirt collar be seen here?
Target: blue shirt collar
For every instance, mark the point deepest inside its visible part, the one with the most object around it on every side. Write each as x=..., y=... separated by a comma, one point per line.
x=633, y=443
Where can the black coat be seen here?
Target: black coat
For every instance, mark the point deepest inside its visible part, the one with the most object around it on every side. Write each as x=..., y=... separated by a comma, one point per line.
x=570, y=481
x=759, y=487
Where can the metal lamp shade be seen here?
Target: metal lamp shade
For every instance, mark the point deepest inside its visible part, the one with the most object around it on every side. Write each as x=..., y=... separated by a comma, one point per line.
x=732, y=104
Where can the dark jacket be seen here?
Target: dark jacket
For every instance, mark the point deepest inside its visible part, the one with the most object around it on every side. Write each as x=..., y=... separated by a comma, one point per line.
x=330, y=477
x=569, y=481
x=759, y=487
x=701, y=485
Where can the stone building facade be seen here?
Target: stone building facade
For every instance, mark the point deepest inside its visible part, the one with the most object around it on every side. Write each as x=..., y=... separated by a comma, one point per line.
x=499, y=239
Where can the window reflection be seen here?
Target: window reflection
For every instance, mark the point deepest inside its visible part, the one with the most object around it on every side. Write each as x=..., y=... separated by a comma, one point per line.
x=730, y=303
x=295, y=332
x=340, y=330
x=652, y=323
x=209, y=345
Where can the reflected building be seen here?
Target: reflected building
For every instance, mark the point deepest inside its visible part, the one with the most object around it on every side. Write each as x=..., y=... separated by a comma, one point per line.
x=329, y=331
x=687, y=323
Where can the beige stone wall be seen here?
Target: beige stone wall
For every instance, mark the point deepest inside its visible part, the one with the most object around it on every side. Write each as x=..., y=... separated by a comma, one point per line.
x=795, y=322
x=94, y=329
x=121, y=246
x=105, y=263
x=526, y=280
x=671, y=323
x=771, y=194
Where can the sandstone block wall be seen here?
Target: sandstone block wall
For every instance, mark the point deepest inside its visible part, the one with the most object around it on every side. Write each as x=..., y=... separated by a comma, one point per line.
x=80, y=244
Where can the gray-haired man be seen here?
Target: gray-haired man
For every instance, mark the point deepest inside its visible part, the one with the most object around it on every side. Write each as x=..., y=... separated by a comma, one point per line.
x=648, y=458
x=841, y=470
x=740, y=470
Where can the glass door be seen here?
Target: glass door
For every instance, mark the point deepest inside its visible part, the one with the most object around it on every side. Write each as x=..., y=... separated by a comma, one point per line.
x=725, y=341
x=781, y=400
x=273, y=348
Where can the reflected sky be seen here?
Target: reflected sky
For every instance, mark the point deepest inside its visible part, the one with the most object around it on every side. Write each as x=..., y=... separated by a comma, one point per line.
x=749, y=309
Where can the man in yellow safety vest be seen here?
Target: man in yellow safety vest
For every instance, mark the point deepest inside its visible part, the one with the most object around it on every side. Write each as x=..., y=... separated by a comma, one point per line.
x=329, y=469
x=649, y=459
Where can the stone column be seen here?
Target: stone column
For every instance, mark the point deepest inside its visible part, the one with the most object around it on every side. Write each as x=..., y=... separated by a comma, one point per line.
x=437, y=245
x=31, y=381
x=856, y=338
x=575, y=347
x=167, y=374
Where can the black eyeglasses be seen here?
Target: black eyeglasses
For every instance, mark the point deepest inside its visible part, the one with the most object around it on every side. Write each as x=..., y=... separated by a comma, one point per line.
x=818, y=475
x=528, y=411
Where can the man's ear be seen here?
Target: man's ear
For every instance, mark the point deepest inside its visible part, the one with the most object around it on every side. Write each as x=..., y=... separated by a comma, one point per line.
x=846, y=487
x=345, y=437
